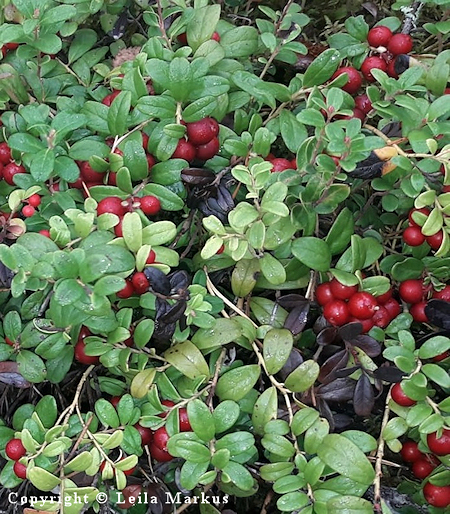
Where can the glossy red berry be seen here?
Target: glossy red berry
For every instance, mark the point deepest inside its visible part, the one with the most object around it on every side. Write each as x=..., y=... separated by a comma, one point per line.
x=20, y=470
x=435, y=240
x=151, y=257
x=400, y=397
x=354, y=80
x=208, y=150
x=127, y=291
x=362, y=305
x=280, y=164
x=146, y=434
x=443, y=294
x=383, y=298
x=28, y=211
x=410, y=451
x=400, y=44
x=336, y=312
x=202, y=131
x=5, y=153
x=417, y=311
x=412, y=236
x=80, y=354
x=324, y=294
x=145, y=140
x=151, y=161
x=114, y=400
x=367, y=324
x=158, y=448
x=140, y=282
x=411, y=291
x=10, y=171
x=185, y=426
x=437, y=496
x=215, y=36
x=150, y=205
x=220, y=250
x=88, y=174
x=112, y=205
x=441, y=356
x=372, y=63
x=34, y=200
x=393, y=308
x=439, y=445
x=379, y=36
x=166, y=403
x=424, y=466
x=363, y=103
x=14, y=449
x=341, y=291
x=424, y=210
x=184, y=150
x=381, y=318
x=108, y=100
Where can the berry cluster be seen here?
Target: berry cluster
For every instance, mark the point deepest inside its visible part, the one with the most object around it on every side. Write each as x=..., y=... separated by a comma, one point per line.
x=33, y=201
x=15, y=450
x=413, y=236
x=415, y=292
x=345, y=304
x=423, y=464
x=201, y=141
x=281, y=164
x=8, y=167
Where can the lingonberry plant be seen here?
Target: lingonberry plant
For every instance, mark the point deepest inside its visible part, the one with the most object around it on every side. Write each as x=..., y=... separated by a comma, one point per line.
x=224, y=257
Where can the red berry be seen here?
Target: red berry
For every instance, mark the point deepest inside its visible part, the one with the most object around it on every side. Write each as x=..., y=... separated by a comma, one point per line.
x=324, y=294
x=182, y=38
x=367, y=324
x=140, y=282
x=112, y=205
x=28, y=211
x=10, y=170
x=336, y=312
x=443, y=294
x=220, y=250
x=424, y=210
x=208, y=150
x=391, y=69
x=362, y=305
x=411, y=291
x=202, y=131
x=412, y=236
x=184, y=150
x=108, y=100
x=441, y=356
x=371, y=63
x=114, y=401
x=341, y=291
x=410, y=451
x=151, y=257
x=379, y=36
x=11, y=46
x=185, y=426
x=150, y=205
x=34, y=200
x=435, y=240
x=354, y=80
x=88, y=174
x=400, y=44
x=383, y=298
x=215, y=36
x=158, y=448
x=280, y=164
x=146, y=434
x=439, y=445
x=393, y=308
x=437, y=496
x=130, y=496
x=381, y=318
x=127, y=291
x=5, y=153
x=166, y=403
x=118, y=229
x=145, y=140
x=20, y=470
x=424, y=466
x=363, y=103
x=417, y=311
x=150, y=161
x=80, y=354
x=400, y=397
x=14, y=449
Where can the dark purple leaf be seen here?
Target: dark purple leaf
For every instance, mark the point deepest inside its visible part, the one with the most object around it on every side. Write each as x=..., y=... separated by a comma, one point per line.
x=290, y=301
x=297, y=319
x=368, y=345
x=340, y=390
x=331, y=365
x=346, y=372
x=174, y=313
x=349, y=331
x=294, y=360
x=327, y=336
x=342, y=421
x=363, y=399
x=325, y=412
x=197, y=176
x=9, y=374
x=320, y=324
x=438, y=313
x=389, y=374
x=179, y=281
x=158, y=281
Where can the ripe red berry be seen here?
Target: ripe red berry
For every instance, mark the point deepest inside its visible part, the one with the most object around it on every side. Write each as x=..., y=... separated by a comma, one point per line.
x=435, y=240
x=118, y=230
x=371, y=63
x=393, y=308
x=336, y=312
x=354, y=80
x=381, y=318
x=146, y=434
x=28, y=211
x=140, y=282
x=112, y=205
x=410, y=451
x=341, y=291
x=412, y=236
x=400, y=44
x=443, y=294
x=184, y=150
x=383, y=298
x=439, y=445
x=127, y=291
x=424, y=210
x=208, y=150
x=150, y=205
x=5, y=153
x=215, y=36
x=10, y=170
x=202, y=131
x=280, y=164
x=150, y=161
x=391, y=69
x=185, y=426
x=34, y=200
x=80, y=354
x=114, y=400
x=20, y=470
x=158, y=448
x=220, y=250
x=400, y=397
x=108, y=100
x=166, y=403
x=14, y=449
x=182, y=38
x=441, y=356
x=437, y=496
x=379, y=36
x=367, y=324
x=88, y=174
x=145, y=140
x=324, y=294
x=363, y=103
x=422, y=467
x=417, y=311
x=411, y=291
x=151, y=257
x=362, y=305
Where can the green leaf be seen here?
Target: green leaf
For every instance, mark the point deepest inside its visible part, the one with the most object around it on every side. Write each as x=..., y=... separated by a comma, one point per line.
x=187, y=358
x=239, y=475
x=265, y=409
x=434, y=346
x=41, y=167
x=303, y=377
x=118, y=114
x=42, y=479
x=349, y=505
x=224, y=331
x=68, y=291
x=279, y=445
x=202, y=25
x=182, y=445
x=292, y=130
x=132, y=231
x=225, y=415
x=313, y=252
x=239, y=42
x=243, y=278
x=344, y=457
x=47, y=410
x=437, y=374
x=236, y=383
x=159, y=233
x=277, y=347
x=322, y=68
x=134, y=159
x=106, y=413
x=201, y=420
x=31, y=366
x=199, y=109
x=191, y=473
x=293, y=501
x=272, y=269
x=141, y=383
